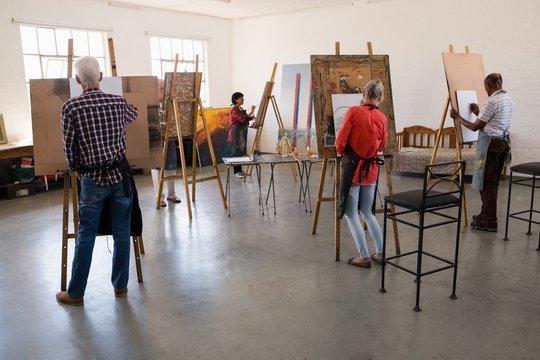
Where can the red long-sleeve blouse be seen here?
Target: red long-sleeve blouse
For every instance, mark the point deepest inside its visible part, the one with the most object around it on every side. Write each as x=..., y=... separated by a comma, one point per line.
x=365, y=130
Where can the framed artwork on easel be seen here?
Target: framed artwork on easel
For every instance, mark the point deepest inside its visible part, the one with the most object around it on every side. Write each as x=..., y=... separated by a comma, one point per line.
x=3, y=137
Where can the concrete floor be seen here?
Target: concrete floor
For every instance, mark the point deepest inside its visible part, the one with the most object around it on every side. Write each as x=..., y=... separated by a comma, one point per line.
x=262, y=287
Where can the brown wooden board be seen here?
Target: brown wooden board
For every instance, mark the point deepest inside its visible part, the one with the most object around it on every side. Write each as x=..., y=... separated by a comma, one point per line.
x=464, y=72
x=265, y=100
x=188, y=87
x=144, y=146
x=347, y=74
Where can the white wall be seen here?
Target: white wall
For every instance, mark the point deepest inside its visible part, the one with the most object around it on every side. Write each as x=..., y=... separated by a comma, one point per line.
x=413, y=33
x=132, y=47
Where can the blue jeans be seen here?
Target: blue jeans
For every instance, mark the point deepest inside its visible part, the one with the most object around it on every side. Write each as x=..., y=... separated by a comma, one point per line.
x=91, y=199
x=366, y=193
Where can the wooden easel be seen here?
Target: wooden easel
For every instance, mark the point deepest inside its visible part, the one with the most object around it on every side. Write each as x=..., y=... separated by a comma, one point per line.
x=267, y=98
x=458, y=144
x=172, y=106
x=70, y=182
x=337, y=180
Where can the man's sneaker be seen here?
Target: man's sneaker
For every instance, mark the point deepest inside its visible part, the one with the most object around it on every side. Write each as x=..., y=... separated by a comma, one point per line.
x=477, y=226
x=238, y=175
x=64, y=298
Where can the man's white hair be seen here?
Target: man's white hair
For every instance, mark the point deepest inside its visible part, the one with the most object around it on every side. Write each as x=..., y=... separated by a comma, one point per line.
x=87, y=68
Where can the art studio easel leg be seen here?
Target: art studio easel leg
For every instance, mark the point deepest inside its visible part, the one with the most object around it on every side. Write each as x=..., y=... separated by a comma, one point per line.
x=70, y=181
x=337, y=222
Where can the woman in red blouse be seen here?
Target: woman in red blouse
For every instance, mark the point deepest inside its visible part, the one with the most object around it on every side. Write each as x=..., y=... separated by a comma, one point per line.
x=362, y=136
x=238, y=131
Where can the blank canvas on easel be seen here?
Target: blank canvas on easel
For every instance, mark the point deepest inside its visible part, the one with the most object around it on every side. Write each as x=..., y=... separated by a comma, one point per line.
x=347, y=74
x=464, y=100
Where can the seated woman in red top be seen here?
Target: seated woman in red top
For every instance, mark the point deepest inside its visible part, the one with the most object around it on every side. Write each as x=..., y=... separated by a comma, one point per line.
x=362, y=136
x=238, y=131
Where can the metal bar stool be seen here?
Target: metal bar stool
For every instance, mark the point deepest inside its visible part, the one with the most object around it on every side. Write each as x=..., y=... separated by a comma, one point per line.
x=440, y=192
x=532, y=168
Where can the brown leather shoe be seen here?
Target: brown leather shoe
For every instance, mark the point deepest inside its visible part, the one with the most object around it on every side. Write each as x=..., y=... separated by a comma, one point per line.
x=64, y=298
x=120, y=292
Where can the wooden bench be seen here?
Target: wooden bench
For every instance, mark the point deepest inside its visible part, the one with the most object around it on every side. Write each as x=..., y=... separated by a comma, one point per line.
x=416, y=143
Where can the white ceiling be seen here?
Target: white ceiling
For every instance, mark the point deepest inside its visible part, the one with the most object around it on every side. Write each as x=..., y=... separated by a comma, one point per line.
x=233, y=9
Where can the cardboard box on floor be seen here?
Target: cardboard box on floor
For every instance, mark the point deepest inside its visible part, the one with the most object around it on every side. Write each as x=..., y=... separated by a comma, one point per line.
x=144, y=144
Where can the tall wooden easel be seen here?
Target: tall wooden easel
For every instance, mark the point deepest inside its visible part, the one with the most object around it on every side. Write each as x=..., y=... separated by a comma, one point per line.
x=173, y=107
x=459, y=137
x=267, y=98
x=337, y=181
x=70, y=182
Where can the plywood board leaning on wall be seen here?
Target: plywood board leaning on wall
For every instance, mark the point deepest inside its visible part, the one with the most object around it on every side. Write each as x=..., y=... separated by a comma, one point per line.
x=47, y=96
x=464, y=72
x=347, y=74
x=186, y=86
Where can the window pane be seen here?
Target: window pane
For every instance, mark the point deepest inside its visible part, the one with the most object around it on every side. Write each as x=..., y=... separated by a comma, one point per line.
x=177, y=48
x=47, y=41
x=190, y=67
x=102, y=67
x=198, y=49
x=95, y=41
x=154, y=48
x=188, y=50
x=32, y=67
x=165, y=47
x=80, y=43
x=52, y=67
x=182, y=67
x=29, y=40
x=168, y=66
x=62, y=37
x=203, y=92
x=201, y=70
x=156, y=68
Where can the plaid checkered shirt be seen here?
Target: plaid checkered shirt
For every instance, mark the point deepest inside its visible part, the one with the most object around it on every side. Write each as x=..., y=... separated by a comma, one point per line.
x=94, y=135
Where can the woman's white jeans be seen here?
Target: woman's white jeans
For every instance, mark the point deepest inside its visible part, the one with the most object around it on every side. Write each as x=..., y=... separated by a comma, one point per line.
x=170, y=183
x=366, y=194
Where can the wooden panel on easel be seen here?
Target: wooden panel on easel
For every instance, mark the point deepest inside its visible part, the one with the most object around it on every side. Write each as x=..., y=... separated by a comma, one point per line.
x=464, y=72
x=188, y=87
x=347, y=74
x=265, y=100
x=47, y=97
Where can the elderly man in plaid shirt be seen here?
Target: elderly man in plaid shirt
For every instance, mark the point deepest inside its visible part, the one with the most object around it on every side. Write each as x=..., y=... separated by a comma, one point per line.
x=94, y=141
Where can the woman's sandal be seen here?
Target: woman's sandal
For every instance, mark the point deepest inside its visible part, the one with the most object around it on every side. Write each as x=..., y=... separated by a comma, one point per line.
x=174, y=200
x=162, y=204
x=378, y=259
x=363, y=264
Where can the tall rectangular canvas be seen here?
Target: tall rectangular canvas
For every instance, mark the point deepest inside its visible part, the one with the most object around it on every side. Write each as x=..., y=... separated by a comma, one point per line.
x=296, y=105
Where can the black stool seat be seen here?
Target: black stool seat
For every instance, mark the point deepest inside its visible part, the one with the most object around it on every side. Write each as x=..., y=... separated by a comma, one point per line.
x=531, y=168
x=413, y=200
